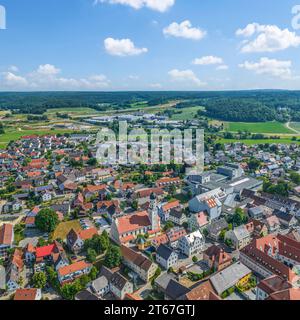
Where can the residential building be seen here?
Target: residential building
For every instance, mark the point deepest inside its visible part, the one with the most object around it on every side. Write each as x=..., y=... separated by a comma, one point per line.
x=216, y=258
x=236, y=274
x=73, y=271
x=28, y=294
x=192, y=243
x=166, y=256
x=239, y=236
x=6, y=239
x=138, y=263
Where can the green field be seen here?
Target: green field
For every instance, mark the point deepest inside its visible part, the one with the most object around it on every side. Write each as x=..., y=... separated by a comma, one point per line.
x=261, y=127
x=186, y=113
x=262, y=141
x=10, y=135
x=295, y=125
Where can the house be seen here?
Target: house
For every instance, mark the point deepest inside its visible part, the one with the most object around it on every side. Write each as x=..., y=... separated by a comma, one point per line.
x=286, y=219
x=197, y=221
x=31, y=294
x=125, y=229
x=165, y=209
x=75, y=240
x=239, y=236
x=2, y=279
x=167, y=182
x=13, y=271
x=192, y=243
x=204, y=291
x=216, y=258
x=86, y=295
x=6, y=239
x=52, y=254
x=73, y=271
x=260, y=228
x=160, y=239
x=166, y=256
x=256, y=212
x=119, y=286
x=211, y=205
x=177, y=216
x=100, y=286
x=273, y=224
x=174, y=235
x=138, y=263
x=271, y=285
x=175, y=290
x=235, y=275
x=288, y=294
x=215, y=228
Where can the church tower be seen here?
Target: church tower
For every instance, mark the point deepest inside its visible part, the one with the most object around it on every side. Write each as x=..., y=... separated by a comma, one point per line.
x=153, y=213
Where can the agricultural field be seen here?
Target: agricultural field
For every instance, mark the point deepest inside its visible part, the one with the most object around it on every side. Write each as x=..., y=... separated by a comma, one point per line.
x=250, y=142
x=64, y=228
x=186, y=113
x=261, y=127
x=12, y=135
x=295, y=126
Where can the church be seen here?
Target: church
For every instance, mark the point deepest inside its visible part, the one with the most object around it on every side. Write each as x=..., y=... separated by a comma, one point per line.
x=125, y=229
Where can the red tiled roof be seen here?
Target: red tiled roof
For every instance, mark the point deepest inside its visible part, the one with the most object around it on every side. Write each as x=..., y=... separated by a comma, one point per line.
x=88, y=233
x=289, y=294
x=93, y=189
x=77, y=266
x=26, y=294
x=133, y=222
x=171, y=205
x=45, y=251
x=6, y=234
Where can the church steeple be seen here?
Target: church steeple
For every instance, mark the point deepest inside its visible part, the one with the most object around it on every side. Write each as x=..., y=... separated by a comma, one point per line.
x=153, y=214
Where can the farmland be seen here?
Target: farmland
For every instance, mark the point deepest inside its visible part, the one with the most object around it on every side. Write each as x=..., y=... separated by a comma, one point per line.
x=261, y=127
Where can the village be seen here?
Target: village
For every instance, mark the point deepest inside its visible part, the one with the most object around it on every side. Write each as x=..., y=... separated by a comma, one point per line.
x=73, y=229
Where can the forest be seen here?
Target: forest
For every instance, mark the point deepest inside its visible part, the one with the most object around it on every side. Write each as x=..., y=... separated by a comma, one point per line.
x=242, y=106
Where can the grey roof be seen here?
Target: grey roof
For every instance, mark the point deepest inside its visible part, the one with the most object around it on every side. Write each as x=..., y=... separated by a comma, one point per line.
x=229, y=277
x=164, y=251
x=217, y=226
x=100, y=283
x=241, y=232
x=176, y=290
x=86, y=295
x=163, y=280
x=256, y=211
x=177, y=213
x=2, y=278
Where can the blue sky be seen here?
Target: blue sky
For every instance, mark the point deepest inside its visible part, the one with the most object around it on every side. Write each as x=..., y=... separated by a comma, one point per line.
x=149, y=45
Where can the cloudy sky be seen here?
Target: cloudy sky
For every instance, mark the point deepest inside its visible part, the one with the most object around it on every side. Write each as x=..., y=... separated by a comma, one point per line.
x=149, y=45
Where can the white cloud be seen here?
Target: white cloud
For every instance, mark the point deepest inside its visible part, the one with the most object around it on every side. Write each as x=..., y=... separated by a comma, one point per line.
x=13, y=69
x=155, y=85
x=185, y=76
x=222, y=67
x=46, y=78
x=48, y=69
x=273, y=67
x=208, y=60
x=122, y=47
x=157, y=5
x=12, y=80
x=184, y=30
x=268, y=38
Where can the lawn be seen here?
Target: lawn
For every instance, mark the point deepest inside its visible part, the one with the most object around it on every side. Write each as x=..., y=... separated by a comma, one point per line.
x=186, y=113
x=64, y=228
x=261, y=127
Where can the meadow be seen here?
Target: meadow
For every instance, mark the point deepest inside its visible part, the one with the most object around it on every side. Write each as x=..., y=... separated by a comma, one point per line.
x=251, y=142
x=260, y=127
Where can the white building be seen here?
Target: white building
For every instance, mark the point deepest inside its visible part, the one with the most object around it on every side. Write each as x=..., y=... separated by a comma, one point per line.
x=192, y=243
